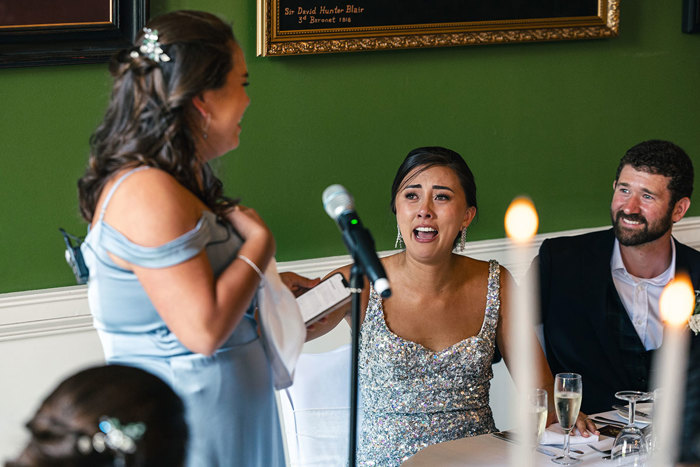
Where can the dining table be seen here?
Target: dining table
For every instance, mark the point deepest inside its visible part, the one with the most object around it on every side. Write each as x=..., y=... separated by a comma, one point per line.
x=487, y=450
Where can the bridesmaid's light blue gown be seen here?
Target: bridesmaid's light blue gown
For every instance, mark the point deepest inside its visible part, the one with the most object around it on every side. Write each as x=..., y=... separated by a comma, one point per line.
x=229, y=397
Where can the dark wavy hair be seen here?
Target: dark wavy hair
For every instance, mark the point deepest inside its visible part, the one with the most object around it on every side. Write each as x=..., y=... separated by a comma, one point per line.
x=73, y=411
x=150, y=119
x=430, y=156
x=660, y=157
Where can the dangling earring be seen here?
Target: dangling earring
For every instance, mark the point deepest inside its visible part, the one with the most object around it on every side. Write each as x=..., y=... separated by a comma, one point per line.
x=205, y=128
x=462, y=241
x=399, y=240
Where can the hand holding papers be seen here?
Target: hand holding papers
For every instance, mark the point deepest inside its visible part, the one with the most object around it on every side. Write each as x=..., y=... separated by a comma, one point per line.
x=326, y=297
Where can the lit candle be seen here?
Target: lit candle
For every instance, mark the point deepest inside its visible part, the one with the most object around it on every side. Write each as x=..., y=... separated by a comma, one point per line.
x=675, y=305
x=521, y=226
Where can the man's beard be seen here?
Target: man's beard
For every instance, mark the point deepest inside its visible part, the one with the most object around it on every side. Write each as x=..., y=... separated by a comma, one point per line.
x=638, y=237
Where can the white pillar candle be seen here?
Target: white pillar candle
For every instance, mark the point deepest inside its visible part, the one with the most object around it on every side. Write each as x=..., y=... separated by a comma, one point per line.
x=676, y=304
x=521, y=226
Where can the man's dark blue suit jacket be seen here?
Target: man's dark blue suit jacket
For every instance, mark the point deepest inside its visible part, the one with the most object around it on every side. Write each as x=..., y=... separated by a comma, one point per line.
x=577, y=290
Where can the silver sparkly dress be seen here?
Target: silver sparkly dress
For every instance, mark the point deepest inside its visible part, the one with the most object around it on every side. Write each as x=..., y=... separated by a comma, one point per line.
x=412, y=397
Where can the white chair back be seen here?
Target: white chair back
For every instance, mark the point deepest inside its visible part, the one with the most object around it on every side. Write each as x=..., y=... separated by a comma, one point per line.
x=316, y=409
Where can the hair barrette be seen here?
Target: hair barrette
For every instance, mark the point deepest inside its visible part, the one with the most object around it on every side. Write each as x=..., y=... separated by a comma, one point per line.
x=150, y=47
x=113, y=435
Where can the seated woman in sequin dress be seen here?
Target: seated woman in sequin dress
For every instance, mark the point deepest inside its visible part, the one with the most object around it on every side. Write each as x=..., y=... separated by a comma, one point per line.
x=426, y=352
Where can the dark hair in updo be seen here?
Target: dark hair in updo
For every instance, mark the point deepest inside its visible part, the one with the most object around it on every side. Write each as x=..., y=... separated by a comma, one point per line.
x=430, y=156
x=74, y=409
x=150, y=119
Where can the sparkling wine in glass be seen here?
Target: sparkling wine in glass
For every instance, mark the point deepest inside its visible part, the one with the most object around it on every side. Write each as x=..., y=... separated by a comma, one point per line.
x=539, y=409
x=568, y=391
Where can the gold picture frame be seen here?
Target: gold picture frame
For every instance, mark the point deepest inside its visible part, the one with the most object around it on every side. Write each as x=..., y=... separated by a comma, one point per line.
x=296, y=27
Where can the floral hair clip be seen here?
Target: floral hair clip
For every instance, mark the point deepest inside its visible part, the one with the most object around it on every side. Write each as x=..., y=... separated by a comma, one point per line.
x=114, y=436
x=150, y=47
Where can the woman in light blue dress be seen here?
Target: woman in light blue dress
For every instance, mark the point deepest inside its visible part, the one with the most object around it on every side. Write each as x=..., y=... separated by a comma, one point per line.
x=171, y=283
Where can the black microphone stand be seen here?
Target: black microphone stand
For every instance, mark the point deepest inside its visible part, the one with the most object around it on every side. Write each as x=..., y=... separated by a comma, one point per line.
x=357, y=283
x=352, y=229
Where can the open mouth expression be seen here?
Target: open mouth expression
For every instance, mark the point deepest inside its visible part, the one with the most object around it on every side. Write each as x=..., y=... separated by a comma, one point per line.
x=425, y=234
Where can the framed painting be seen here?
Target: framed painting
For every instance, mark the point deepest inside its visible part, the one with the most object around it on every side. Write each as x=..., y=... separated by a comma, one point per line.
x=691, y=16
x=294, y=27
x=51, y=32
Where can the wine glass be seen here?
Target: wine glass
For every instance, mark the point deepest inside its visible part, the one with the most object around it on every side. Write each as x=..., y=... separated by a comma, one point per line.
x=538, y=405
x=630, y=442
x=568, y=391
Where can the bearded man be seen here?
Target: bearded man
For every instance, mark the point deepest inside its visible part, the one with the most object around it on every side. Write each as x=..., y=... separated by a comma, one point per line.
x=600, y=291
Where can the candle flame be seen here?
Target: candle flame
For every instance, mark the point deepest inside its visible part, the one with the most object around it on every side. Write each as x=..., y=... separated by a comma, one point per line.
x=521, y=220
x=677, y=301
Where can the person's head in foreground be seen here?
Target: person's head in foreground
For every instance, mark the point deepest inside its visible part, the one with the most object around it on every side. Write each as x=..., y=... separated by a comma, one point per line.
x=107, y=416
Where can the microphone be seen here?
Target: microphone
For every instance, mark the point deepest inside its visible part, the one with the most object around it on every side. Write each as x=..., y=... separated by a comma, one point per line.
x=339, y=204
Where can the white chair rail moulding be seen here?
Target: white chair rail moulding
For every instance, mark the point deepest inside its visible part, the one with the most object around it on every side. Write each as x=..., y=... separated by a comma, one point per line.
x=36, y=313
x=45, y=335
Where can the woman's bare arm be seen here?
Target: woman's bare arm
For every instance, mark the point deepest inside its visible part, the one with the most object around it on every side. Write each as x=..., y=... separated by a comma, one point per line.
x=150, y=208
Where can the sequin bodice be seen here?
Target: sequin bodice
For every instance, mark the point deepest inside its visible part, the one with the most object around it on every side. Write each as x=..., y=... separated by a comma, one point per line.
x=413, y=397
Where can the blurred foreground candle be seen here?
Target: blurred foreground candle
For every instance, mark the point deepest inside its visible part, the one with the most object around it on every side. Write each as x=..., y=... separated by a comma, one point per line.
x=675, y=305
x=521, y=226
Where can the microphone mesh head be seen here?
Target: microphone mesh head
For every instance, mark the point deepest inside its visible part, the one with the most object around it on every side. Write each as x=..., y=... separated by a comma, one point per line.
x=337, y=200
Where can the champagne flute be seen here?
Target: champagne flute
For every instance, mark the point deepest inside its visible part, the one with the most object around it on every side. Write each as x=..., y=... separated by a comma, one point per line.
x=539, y=408
x=568, y=391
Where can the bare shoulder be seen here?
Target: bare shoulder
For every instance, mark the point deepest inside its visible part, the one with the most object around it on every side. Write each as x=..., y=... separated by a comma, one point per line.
x=476, y=272
x=471, y=266
x=150, y=207
x=483, y=266
x=344, y=270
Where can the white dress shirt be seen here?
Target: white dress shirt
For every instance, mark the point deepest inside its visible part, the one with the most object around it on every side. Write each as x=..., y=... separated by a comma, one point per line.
x=640, y=297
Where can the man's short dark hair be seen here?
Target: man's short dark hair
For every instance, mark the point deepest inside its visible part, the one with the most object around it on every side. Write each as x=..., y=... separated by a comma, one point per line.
x=662, y=158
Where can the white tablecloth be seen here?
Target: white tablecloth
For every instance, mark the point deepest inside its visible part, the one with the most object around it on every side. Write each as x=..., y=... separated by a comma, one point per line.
x=488, y=450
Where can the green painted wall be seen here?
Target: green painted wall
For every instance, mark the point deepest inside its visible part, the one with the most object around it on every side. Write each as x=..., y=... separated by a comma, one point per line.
x=550, y=120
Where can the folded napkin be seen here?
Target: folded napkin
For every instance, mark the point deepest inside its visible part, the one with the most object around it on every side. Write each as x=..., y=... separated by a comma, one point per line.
x=555, y=435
